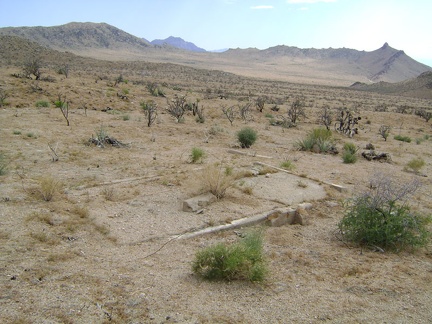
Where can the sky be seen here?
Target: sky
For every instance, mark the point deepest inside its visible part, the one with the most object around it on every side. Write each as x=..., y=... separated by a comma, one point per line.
x=219, y=24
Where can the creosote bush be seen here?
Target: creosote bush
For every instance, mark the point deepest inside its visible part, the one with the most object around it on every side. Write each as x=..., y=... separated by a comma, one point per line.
x=382, y=218
x=247, y=137
x=239, y=261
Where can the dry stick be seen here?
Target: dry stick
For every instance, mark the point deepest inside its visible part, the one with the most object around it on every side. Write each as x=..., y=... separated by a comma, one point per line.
x=248, y=154
x=55, y=157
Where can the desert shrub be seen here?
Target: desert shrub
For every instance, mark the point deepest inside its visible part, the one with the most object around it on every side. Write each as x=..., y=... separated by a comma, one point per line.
x=126, y=117
x=247, y=136
x=381, y=217
x=349, y=153
x=3, y=164
x=384, y=131
x=348, y=157
x=42, y=103
x=319, y=140
x=48, y=187
x=197, y=154
x=402, y=138
x=217, y=179
x=287, y=164
x=239, y=261
x=415, y=165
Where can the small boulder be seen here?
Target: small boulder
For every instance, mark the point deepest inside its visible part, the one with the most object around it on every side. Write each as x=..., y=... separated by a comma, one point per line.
x=197, y=203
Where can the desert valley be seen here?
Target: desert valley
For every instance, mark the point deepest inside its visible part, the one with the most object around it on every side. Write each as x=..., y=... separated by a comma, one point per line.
x=106, y=137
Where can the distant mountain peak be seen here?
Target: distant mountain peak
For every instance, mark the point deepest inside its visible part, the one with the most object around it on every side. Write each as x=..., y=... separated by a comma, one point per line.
x=178, y=43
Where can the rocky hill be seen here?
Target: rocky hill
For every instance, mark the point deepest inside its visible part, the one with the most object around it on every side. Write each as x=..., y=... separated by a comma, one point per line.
x=420, y=87
x=178, y=43
x=76, y=36
x=384, y=64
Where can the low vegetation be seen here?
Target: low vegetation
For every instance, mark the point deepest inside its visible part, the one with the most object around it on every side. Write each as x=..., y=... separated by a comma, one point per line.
x=247, y=137
x=381, y=217
x=243, y=260
x=319, y=140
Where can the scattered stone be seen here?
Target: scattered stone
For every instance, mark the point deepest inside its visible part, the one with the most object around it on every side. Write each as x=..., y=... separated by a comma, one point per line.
x=332, y=204
x=338, y=187
x=373, y=156
x=197, y=203
x=370, y=146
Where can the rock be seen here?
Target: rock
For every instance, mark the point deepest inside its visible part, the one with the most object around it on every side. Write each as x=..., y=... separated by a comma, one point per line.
x=197, y=203
x=338, y=187
x=301, y=216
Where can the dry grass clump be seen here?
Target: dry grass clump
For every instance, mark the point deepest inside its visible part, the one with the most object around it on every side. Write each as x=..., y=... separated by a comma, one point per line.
x=49, y=187
x=217, y=179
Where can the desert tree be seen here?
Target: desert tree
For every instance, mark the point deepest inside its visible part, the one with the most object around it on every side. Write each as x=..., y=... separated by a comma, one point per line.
x=384, y=131
x=150, y=111
x=297, y=109
x=260, y=102
x=33, y=67
x=426, y=115
x=325, y=116
x=177, y=107
x=63, y=104
x=230, y=113
x=119, y=80
x=64, y=69
x=245, y=112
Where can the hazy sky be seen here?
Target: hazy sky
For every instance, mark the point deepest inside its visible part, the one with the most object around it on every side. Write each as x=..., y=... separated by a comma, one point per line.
x=216, y=24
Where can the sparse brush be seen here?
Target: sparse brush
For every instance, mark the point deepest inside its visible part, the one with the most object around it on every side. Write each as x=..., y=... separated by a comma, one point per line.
x=318, y=140
x=49, y=187
x=3, y=164
x=402, y=138
x=381, y=217
x=197, y=155
x=288, y=165
x=108, y=193
x=415, y=165
x=247, y=137
x=349, y=153
x=239, y=261
x=42, y=103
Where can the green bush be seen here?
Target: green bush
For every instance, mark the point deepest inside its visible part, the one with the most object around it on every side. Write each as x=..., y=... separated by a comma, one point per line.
x=415, y=165
x=348, y=157
x=380, y=218
x=42, y=103
x=349, y=153
x=247, y=136
x=197, y=154
x=319, y=140
x=239, y=261
x=3, y=164
x=402, y=138
x=287, y=164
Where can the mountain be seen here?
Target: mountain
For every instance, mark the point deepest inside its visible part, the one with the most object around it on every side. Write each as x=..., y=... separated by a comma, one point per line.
x=178, y=43
x=339, y=67
x=384, y=64
x=76, y=36
x=420, y=86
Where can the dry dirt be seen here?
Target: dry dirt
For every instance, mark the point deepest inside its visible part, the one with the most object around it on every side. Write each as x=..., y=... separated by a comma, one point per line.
x=108, y=246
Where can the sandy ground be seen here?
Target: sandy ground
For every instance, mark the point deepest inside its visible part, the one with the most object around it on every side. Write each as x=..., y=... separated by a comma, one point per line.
x=108, y=246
